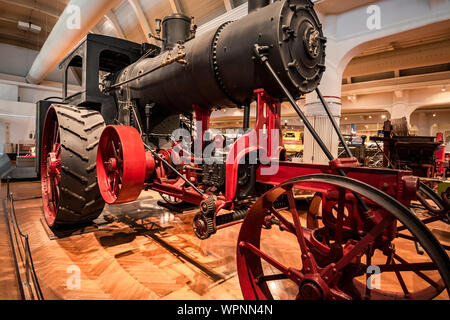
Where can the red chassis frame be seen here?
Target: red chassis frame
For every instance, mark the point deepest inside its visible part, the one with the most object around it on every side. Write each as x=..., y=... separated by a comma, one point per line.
x=401, y=185
x=357, y=217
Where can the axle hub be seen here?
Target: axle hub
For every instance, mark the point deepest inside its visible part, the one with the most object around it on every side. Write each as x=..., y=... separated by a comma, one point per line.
x=52, y=163
x=310, y=290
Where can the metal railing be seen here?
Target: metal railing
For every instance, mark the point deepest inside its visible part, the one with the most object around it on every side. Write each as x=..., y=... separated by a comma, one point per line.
x=26, y=275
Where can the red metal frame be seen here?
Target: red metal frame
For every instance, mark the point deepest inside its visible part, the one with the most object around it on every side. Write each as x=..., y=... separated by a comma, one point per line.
x=171, y=171
x=202, y=116
x=268, y=112
x=160, y=178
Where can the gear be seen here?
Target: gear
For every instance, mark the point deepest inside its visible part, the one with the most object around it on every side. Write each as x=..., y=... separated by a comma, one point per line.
x=203, y=226
x=208, y=206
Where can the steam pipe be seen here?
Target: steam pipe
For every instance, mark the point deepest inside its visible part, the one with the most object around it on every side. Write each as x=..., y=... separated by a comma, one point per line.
x=78, y=18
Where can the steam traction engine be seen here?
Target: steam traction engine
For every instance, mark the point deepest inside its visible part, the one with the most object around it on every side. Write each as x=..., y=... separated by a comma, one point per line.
x=109, y=142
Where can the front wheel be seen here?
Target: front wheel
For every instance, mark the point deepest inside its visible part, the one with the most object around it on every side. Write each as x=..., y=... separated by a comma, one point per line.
x=340, y=257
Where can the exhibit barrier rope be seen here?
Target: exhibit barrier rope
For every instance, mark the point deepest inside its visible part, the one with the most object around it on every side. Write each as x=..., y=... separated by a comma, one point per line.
x=26, y=274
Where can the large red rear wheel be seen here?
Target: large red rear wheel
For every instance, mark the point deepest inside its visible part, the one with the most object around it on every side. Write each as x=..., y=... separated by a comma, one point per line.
x=70, y=193
x=340, y=258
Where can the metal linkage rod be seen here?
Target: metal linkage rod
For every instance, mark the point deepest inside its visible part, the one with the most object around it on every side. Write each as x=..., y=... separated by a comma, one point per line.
x=334, y=123
x=265, y=61
x=263, y=58
x=174, y=170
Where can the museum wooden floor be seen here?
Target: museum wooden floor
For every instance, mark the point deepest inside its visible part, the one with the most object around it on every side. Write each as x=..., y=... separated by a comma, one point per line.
x=142, y=251
x=9, y=289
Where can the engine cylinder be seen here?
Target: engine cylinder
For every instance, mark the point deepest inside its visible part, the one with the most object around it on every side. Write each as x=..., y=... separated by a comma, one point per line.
x=221, y=69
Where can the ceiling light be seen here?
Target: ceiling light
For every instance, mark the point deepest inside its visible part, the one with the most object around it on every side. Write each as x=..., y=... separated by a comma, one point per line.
x=383, y=116
x=28, y=26
x=370, y=117
x=443, y=88
x=434, y=114
x=34, y=28
x=345, y=118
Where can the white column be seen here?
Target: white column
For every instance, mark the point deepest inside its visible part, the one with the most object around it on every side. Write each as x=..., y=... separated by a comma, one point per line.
x=424, y=125
x=330, y=88
x=401, y=107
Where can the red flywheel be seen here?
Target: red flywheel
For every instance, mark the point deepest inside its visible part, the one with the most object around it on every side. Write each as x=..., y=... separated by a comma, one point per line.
x=121, y=164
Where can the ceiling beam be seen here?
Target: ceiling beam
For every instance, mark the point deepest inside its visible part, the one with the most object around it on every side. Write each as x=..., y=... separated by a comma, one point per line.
x=417, y=56
x=143, y=22
x=228, y=4
x=36, y=44
x=10, y=20
x=18, y=43
x=32, y=6
x=421, y=81
x=111, y=17
x=176, y=7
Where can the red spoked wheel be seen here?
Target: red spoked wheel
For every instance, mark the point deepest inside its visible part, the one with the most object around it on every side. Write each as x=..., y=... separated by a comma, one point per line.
x=121, y=164
x=51, y=166
x=341, y=258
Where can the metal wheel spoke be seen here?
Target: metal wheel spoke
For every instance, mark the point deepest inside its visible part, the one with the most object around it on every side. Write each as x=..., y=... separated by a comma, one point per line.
x=58, y=150
x=261, y=254
x=49, y=189
x=54, y=192
x=55, y=133
x=116, y=183
x=289, y=226
x=297, y=223
x=420, y=274
x=272, y=277
x=114, y=149
x=400, y=279
x=119, y=150
x=393, y=267
x=405, y=236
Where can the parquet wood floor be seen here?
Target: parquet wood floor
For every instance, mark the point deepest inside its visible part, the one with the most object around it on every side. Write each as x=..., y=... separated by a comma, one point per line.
x=146, y=252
